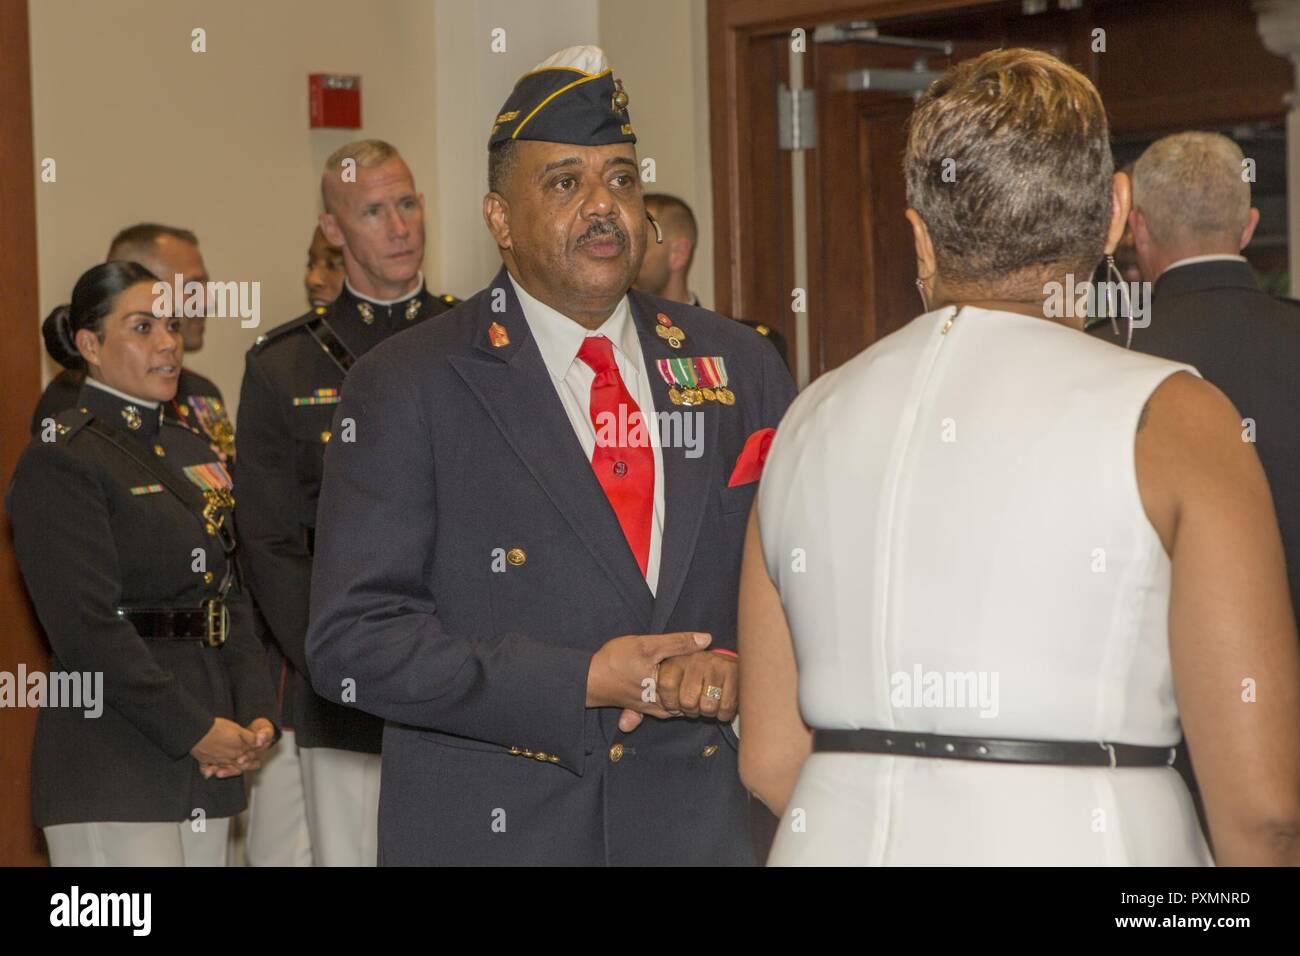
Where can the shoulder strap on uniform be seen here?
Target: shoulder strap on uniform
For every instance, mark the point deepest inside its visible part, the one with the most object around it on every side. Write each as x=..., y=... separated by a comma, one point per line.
x=281, y=330
x=66, y=424
x=209, y=510
x=328, y=339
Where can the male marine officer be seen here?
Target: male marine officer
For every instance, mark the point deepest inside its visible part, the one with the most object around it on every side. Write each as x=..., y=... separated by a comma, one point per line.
x=292, y=379
x=540, y=601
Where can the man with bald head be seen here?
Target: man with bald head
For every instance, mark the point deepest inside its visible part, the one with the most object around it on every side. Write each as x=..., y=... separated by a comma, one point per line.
x=166, y=251
x=293, y=379
x=666, y=268
x=1191, y=218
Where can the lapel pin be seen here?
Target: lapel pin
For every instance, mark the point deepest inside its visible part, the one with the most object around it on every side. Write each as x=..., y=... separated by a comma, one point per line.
x=498, y=336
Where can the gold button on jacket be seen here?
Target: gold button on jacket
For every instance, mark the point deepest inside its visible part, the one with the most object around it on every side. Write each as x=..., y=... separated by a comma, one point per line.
x=616, y=753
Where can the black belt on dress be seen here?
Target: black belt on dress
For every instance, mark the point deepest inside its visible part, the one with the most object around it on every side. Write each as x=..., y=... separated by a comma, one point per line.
x=208, y=623
x=1080, y=753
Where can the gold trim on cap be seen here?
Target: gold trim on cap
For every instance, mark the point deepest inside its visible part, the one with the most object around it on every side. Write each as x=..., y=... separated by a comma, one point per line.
x=571, y=69
x=587, y=78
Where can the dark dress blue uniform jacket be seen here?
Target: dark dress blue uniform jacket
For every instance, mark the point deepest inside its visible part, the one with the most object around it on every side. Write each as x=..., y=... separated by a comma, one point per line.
x=460, y=452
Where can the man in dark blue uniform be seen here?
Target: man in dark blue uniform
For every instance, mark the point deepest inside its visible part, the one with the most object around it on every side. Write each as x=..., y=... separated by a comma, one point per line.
x=531, y=522
x=292, y=382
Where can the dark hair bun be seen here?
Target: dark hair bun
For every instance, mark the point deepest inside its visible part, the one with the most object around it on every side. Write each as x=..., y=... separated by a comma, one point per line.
x=59, y=338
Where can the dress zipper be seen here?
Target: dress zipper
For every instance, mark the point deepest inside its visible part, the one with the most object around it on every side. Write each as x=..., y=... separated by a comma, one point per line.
x=914, y=404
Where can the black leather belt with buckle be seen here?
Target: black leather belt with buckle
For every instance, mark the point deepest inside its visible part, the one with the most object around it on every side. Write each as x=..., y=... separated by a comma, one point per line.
x=209, y=623
x=1079, y=753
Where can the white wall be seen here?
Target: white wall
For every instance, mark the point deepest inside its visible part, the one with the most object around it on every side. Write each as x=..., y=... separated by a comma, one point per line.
x=143, y=129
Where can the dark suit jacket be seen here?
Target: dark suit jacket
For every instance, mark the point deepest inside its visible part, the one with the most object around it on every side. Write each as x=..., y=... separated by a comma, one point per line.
x=463, y=452
x=1214, y=316
x=93, y=531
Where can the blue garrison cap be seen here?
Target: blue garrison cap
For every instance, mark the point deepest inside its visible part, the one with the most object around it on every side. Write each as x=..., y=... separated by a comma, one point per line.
x=570, y=97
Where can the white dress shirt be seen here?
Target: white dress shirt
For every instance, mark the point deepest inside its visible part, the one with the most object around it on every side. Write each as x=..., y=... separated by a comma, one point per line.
x=559, y=338
x=1195, y=260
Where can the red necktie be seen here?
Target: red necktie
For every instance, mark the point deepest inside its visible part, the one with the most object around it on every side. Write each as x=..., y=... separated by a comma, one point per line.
x=623, y=460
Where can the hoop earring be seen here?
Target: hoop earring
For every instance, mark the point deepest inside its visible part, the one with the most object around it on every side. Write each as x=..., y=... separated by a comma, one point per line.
x=920, y=287
x=1115, y=280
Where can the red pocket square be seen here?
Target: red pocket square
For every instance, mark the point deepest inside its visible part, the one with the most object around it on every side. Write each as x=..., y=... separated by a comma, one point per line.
x=749, y=466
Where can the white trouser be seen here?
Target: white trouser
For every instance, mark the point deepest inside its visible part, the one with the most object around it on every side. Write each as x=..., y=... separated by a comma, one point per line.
x=138, y=844
x=342, y=797
x=277, y=811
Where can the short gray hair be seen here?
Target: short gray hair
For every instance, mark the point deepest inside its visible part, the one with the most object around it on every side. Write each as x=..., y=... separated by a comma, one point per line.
x=1008, y=163
x=1191, y=186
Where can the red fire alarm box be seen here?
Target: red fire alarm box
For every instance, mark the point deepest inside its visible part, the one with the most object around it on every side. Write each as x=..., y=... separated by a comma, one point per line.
x=335, y=100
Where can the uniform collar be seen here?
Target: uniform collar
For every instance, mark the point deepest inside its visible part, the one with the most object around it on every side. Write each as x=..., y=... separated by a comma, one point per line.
x=559, y=338
x=120, y=410
x=412, y=293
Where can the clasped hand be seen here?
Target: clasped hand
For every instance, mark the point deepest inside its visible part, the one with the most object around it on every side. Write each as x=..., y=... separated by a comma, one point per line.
x=228, y=749
x=662, y=675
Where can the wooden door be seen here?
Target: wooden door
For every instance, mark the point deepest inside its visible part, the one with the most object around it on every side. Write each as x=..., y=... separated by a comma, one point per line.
x=861, y=258
x=20, y=363
x=1164, y=66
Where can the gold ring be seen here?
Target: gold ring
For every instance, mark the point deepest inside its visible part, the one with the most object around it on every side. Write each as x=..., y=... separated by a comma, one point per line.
x=713, y=693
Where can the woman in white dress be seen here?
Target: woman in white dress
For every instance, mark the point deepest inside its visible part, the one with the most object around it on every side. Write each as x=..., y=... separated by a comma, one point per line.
x=995, y=563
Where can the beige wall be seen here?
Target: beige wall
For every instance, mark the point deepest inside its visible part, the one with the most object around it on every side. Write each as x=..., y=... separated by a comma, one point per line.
x=141, y=128
x=144, y=129
x=660, y=50
x=473, y=83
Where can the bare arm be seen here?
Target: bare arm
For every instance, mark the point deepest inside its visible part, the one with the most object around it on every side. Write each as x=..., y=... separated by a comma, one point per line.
x=1232, y=633
x=773, y=739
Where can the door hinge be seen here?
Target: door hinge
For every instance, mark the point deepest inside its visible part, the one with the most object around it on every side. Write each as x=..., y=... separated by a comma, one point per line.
x=796, y=112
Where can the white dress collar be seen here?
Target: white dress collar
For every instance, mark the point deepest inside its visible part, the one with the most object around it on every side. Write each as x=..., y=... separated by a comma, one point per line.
x=559, y=337
x=419, y=284
x=122, y=395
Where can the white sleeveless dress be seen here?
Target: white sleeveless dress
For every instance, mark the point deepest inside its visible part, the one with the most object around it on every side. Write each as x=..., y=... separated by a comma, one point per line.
x=953, y=522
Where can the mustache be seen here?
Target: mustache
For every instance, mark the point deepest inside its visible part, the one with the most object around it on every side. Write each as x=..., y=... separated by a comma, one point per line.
x=600, y=229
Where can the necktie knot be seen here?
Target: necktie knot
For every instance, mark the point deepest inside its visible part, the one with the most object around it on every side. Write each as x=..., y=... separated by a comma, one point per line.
x=598, y=352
